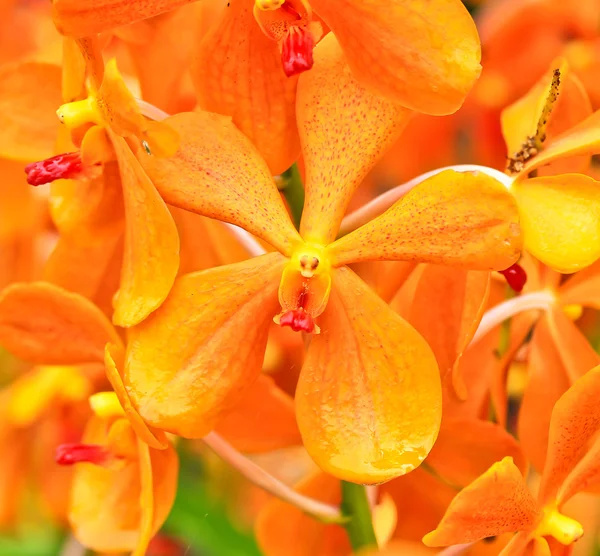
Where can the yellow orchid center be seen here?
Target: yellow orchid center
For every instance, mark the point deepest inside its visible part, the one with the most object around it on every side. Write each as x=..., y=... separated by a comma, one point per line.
x=564, y=529
x=106, y=405
x=573, y=311
x=304, y=288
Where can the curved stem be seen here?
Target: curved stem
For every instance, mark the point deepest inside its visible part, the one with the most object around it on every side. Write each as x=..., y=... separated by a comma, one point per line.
x=356, y=507
x=384, y=201
x=261, y=478
x=150, y=111
x=541, y=300
x=246, y=240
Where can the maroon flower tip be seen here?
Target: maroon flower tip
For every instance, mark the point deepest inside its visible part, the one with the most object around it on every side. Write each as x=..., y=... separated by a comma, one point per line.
x=297, y=51
x=298, y=320
x=516, y=277
x=61, y=166
x=69, y=454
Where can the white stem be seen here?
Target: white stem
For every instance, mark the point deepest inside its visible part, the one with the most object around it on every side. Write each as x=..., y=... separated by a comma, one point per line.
x=380, y=204
x=454, y=550
x=541, y=300
x=258, y=476
x=246, y=240
x=150, y=111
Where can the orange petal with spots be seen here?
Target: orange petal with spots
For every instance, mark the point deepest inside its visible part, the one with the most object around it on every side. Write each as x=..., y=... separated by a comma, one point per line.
x=278, y=522
x=446, y=308
x=218, y=173
x=264, y=420
x=368, y=400
x=496, y=502
x=581, y=139
x=192, y=360
x=466, y=448
x=583, y=288
x=42, y=323
x=546, y=383
x=462, y=219
x=107, y=510
x=80, y=18
x=575, y=420
x=560, y=220
x=238, y=73
x=427, y=60
x=29, y=96
x=344, y=130
x=576, y=353
x=151, y=257
x=585, y=474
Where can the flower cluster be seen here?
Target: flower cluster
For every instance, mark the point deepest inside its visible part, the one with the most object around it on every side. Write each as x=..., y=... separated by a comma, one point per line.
x=203, y=243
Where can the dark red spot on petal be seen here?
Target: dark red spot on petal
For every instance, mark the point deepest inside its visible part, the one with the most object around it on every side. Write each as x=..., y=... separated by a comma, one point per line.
x=516, y=277
x=298, y=320
x=68, y=454
x=61, y=166
x=297, y=50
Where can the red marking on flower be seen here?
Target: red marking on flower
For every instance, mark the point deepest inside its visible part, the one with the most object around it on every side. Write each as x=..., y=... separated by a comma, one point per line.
x=161, y=545
x=61, y=166
x=69, y=454
x=516, y=277
x=298, y=320
x=297, y=50
x=286, y=7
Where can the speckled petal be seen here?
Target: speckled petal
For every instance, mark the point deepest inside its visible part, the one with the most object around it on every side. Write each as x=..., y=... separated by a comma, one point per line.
x=344, y=130
x=496, y=502
x=218, y=173
x=462, y=219
x=238, y=73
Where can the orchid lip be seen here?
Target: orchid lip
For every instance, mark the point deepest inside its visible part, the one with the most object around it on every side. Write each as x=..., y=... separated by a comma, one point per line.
x=61, y=166
x=70, y=454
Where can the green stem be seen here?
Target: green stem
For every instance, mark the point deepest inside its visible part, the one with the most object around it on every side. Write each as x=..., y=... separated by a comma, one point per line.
x=293, y=191
x=355, y=506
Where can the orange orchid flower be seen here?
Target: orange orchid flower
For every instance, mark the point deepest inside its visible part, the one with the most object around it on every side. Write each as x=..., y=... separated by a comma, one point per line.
x=499, y=500
x=553, y=125
x=442, y=222
x=238, y=57
x=89, y=203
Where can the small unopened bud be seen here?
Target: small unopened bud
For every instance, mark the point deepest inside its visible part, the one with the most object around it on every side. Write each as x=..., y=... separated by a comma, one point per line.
x=516, y=277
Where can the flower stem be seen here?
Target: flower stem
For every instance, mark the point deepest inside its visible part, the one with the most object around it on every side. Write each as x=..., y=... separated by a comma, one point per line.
x=355, y=506
x=293, y=191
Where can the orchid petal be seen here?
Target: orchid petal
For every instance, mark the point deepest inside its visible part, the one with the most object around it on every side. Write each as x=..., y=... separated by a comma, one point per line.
x=425, y=59
x=368, y=400
x=344, y=130
x=462, y=219
x=203, y=347
x=218, y=173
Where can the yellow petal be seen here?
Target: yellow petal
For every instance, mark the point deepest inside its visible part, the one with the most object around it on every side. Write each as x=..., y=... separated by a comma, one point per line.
x=29, y=97
x=462, y=219
x=339, y=144
x=368, y=400
x=218, y=173
x=42, y=323
x=264, y=420
x=425, y=59
x=193, y=359
x=560, y=218
x=238, y=73
x=151, y=257
x=80, y=18
x=496, y=502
